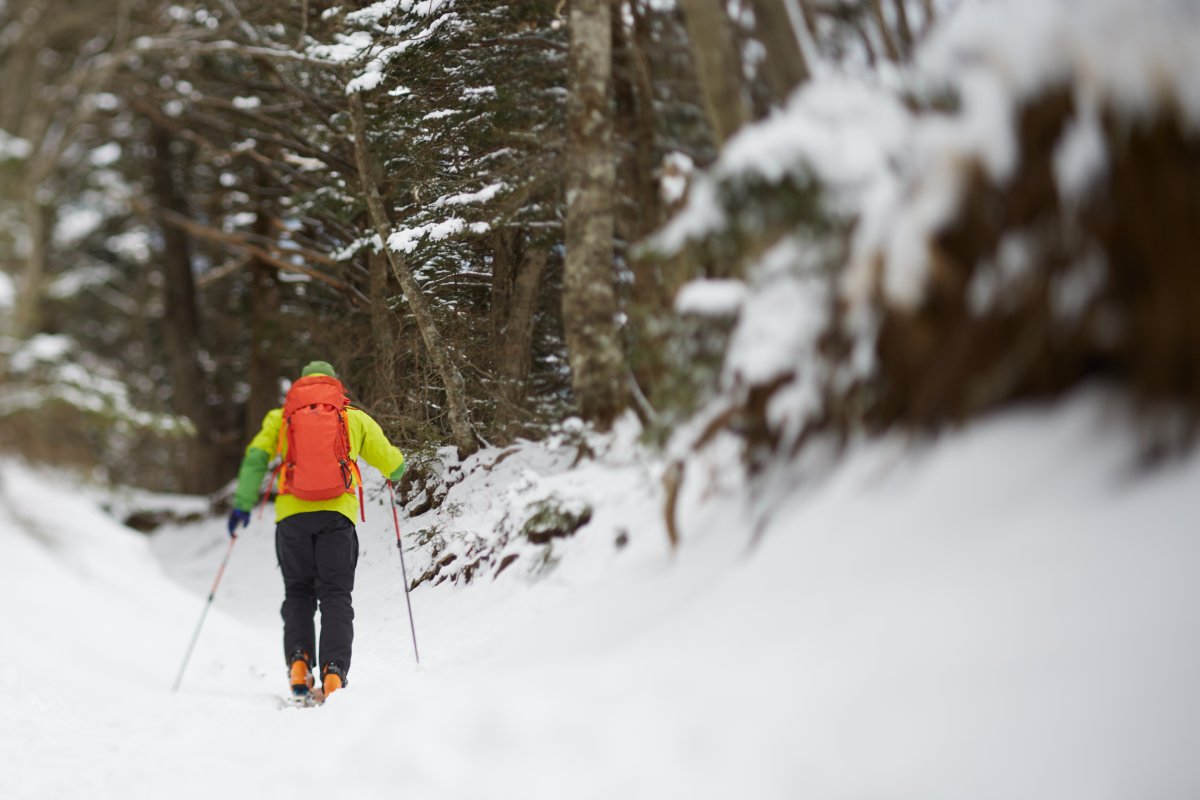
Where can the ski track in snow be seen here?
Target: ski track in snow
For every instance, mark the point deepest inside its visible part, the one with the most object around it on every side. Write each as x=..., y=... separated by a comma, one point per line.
x=1007, y=613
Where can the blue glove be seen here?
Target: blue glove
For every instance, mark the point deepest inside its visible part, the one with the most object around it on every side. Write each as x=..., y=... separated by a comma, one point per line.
x=238, y=517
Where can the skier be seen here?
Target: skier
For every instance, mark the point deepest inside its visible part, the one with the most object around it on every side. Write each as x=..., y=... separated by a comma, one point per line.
x=319, y=437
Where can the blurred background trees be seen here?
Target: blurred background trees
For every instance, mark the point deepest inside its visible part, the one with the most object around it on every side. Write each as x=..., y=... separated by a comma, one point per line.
x=453, y=201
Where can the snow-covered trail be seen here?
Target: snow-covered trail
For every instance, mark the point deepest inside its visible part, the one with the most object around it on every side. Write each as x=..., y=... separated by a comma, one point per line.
x=1010, y=613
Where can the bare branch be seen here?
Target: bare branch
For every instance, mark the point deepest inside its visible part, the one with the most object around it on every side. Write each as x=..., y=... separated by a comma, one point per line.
x=240, y=242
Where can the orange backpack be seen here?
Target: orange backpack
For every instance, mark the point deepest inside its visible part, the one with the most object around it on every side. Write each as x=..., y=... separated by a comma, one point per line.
x=317, y=464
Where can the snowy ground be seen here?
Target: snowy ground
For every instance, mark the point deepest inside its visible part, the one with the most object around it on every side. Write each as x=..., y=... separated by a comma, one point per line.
x=1010, y=613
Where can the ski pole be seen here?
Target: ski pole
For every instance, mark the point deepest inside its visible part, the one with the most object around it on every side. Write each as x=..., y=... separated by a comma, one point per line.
x=404, y=572
x=207, y=605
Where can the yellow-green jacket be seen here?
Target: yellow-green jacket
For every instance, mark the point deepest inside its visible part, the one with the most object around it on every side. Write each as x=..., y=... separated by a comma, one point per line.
x=366, y=440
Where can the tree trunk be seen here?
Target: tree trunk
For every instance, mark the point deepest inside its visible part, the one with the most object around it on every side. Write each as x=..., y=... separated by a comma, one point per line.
x=906, y=35
x=885, y=33
x=27, y=316
x=718, y=67
x=383, y=337
x=439, y=353
x=20, y=66
x=516, y=341
x=517, y=272
x=589, y=297
x=643, y=208
x=181, y=323
x=642, y=212
x=264, y=369
x=785, y=66
x=930, y=16
x=810, y=18
x=506, y=247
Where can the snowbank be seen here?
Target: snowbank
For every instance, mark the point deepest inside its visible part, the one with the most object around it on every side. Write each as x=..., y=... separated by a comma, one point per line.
x=1011, y=218
x=1005, y=614
x=1135, y=59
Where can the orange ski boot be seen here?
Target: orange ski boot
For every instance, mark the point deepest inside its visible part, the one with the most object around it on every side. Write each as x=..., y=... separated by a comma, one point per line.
x=300, y=674
x=333, y=678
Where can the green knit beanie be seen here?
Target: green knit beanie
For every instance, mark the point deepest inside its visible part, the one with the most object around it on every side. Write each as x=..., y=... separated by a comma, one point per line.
x=318, y=368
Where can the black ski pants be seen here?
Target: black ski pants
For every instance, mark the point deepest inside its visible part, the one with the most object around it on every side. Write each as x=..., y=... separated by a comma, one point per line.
x=318, y=552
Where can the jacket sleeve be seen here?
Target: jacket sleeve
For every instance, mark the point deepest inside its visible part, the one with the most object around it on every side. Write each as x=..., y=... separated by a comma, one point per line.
x=255, y=462
x=375, y=448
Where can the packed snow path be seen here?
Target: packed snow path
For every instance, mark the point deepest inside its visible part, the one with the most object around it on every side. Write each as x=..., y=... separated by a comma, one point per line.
x=1008, y=614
